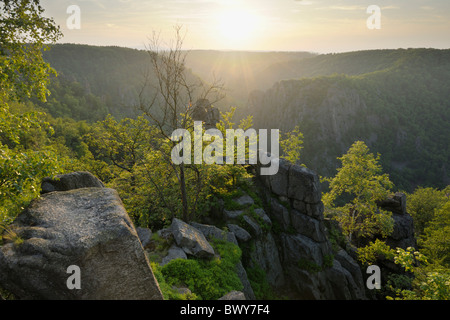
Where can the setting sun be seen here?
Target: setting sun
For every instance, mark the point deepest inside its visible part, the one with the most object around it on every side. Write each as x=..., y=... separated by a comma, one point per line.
x=238, y=26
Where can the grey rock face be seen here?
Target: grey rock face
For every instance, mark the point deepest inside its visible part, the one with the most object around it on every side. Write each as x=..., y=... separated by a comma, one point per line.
x=173, y=253
x=240, y=233
x=302, y=252
x=262, y=214
x=191, y=240
x=307, y=226
x=205, y=112
x=403, y=234
x=70, y=181
x=280, y=214
x=395, y=204
x=266, y=255
x=355, y=278
x=303, y=185
x=144, y=235
x=212, y=232
x=279, y=182
x=253, y=225
x=234, y=295
x=88, y=228
x=232, y=214
x=245, y=200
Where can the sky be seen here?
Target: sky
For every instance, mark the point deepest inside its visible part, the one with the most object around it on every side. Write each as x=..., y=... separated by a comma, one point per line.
x=322, y=26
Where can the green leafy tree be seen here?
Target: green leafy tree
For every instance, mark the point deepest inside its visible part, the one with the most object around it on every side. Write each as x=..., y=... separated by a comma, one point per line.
x=421, y=205
x=436, y=239
x=23, y=73
x=431, y=281
x=292, y=144
x=359, y=182
x=24, y=33
x=146, y=180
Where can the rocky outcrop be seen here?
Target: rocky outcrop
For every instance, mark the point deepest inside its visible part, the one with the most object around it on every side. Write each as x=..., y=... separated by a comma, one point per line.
x=403, y=234
x=205, y=112
x=87, y=228
x=310, y=268
x=191, y=237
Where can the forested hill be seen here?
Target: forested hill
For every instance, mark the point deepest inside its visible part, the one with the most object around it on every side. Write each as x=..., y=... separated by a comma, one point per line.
x=349, y=63
x=397, y=101
x=94, y=81
x=110, y=76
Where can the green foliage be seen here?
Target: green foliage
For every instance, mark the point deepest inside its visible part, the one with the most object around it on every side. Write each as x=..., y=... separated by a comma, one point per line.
x=24, y=161
x=25, y=158
x=24, y=32
x=375, y=251
x=337, y=239
x=147, y=180
x=96, y=79
x=207, y=279
x=360, y=182
x=7, y=234
x=421, y=205
x=431, y=282
x=291, y=145
x=436, y=240
x=69, y=99
x=168, y=291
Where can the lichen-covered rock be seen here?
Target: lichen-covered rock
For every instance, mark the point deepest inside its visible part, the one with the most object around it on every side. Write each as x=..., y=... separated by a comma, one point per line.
x=88, y=228
x=233, y=295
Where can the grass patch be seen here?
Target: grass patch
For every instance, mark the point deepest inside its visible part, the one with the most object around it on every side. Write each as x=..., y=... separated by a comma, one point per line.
x=207, y=279
x=159, y=248
x=168, y=291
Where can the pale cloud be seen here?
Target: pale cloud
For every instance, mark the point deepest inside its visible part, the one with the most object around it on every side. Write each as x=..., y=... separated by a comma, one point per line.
x=348, y=8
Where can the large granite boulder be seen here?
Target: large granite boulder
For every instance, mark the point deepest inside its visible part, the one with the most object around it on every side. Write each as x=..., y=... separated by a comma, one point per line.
x=70, y=181
x=87, y=228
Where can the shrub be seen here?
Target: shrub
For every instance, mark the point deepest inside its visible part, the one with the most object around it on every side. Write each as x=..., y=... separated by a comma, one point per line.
x=207, y=279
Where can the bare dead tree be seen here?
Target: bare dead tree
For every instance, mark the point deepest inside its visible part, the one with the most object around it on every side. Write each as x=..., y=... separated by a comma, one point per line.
x=175, y=91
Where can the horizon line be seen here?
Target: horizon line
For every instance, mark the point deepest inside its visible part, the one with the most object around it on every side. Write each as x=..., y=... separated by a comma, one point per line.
x=253, y=51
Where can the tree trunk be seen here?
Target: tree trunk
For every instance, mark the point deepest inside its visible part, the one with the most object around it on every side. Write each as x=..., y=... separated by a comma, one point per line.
x=184, y=200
